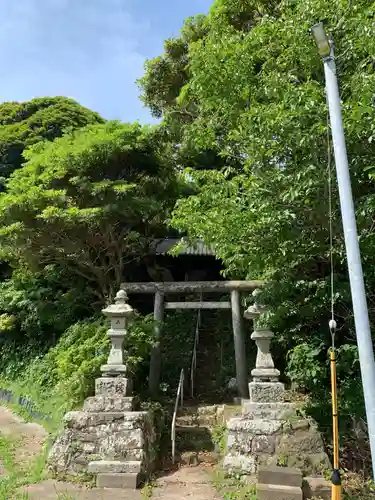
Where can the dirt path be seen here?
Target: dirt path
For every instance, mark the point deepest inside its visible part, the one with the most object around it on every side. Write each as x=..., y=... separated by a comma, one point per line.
x=187, y=483
x=29, y=437
x=57, y=490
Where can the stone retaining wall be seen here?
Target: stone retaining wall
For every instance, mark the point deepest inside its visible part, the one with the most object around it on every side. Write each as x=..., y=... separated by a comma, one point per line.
x=8, y=396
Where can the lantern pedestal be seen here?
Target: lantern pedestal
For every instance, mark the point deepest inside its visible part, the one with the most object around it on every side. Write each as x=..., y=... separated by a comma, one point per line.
x=110, y=438
x=270, y=431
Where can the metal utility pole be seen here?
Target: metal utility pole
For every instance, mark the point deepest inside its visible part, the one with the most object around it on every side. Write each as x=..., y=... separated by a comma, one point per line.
x=361, y=318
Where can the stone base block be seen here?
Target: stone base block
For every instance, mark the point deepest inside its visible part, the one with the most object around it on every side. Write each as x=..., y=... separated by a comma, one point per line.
x=264, y=392
x=89, y=420
x=108, y=438
x=104, y=403
x=281, y=476
x=113, y=386
x=273, y=492
x=119, y=480
x=254, y=427
x=266, y=374
x=273, y=411
x=272, y=434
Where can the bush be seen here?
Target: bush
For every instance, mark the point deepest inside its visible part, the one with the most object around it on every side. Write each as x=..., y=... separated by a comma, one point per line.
x=70, y=368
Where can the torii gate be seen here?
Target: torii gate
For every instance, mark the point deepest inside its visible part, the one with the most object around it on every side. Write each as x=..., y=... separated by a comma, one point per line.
x=234, y=288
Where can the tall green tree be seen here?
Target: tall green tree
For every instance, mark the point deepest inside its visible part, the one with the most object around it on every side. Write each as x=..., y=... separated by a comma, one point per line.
x=161, y=88
x=257, y=85
x=167, y=74
x=90, y=202
x=25, y=123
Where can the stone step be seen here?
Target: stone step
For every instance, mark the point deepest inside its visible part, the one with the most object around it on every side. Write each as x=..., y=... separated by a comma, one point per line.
x=114, y=466
x=197, y=420
x=276, y=492
x=192, y=438
x=281, y=476
x=119, y=480
x=198, y=410
x=195, y=458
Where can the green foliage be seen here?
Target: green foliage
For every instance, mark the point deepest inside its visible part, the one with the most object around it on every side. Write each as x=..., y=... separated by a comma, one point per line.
x=26, y=123
x=163, y=86
x=7, y=322
x=70, y=368
x=216, y=364
x=219, y=437
x=255, y=85
x=305, y=367
x=177, y=347
x=90, y=202
x=166, y=75
x=36, y=309
x=231, y=488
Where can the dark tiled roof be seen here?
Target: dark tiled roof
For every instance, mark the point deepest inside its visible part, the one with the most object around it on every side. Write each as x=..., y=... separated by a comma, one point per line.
x=162, y=247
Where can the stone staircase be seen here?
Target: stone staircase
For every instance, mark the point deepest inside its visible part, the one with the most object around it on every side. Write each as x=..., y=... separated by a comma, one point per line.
x=205, y=376
x=194, y=442
x=279, y=483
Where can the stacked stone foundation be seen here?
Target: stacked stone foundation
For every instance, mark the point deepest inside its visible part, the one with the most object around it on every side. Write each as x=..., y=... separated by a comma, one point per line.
x=110, y=438
x=270, y=432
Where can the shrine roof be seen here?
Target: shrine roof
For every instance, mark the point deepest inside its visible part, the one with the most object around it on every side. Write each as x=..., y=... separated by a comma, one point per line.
x=165, y=245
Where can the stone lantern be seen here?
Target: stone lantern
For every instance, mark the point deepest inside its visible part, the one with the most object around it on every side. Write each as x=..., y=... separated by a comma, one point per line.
x=119, y=314
x=264, y=370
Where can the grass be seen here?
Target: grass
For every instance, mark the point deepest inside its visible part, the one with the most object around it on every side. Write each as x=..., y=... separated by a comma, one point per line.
x=18, y=475
x=231, y=488
x=54, y=405
x=356, y=488
x=7, y=447
x=147, y=491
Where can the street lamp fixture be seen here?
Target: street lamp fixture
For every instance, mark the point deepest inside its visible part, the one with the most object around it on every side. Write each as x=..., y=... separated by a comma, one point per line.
x=321, y=39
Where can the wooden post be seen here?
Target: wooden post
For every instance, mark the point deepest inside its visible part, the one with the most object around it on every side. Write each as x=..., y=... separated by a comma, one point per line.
x=239, y=346
x=155, y=361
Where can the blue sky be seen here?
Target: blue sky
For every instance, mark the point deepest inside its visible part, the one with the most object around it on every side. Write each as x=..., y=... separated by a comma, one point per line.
x=90, y=50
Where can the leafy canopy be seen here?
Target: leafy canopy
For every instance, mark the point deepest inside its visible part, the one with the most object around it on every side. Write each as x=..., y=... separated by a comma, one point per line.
x=25, y=123
x=89, y=201
x=257, y=86
x=257, y=81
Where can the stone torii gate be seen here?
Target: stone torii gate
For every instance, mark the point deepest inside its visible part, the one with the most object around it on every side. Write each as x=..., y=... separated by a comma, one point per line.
x=160, y=290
